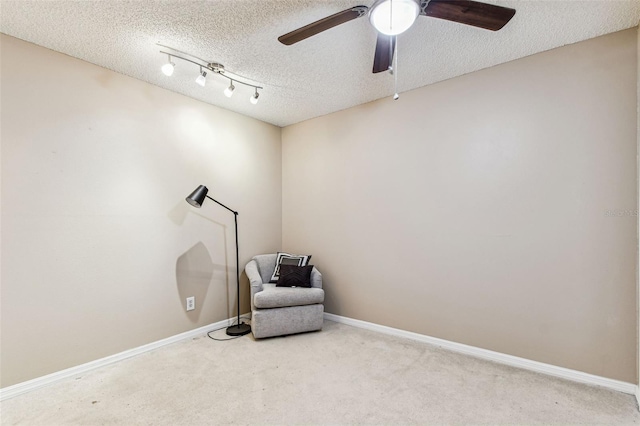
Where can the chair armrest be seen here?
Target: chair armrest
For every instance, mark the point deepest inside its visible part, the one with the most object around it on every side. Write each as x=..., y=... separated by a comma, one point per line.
x=255, y=280
x=316, y=278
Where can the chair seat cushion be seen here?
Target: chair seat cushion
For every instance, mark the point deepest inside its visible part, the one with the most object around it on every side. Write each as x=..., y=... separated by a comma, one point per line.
x=279, y=297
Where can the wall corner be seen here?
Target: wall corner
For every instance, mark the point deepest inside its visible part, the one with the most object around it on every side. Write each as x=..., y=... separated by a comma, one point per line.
x=638, y=209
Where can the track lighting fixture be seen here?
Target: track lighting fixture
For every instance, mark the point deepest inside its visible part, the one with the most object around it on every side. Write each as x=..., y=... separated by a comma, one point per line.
x=202, y=78
x=167, y=68
x=228, y=92
x=254, y=99
x=205, y=66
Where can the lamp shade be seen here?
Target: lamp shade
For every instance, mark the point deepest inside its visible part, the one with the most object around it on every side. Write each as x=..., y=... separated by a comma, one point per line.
x=197, y=197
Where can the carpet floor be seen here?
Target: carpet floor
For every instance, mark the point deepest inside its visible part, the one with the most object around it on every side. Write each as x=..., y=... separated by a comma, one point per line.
x=340, y=375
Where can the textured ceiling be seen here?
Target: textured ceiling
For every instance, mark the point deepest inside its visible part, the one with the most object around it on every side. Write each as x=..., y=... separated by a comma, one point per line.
x=325, y=73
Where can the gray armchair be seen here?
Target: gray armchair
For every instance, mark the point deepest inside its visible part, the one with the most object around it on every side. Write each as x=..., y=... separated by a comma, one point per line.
x=276, y=311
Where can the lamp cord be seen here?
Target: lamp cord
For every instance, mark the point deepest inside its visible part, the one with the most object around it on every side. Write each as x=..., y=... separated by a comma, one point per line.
x=395, y=71
x=222, y=328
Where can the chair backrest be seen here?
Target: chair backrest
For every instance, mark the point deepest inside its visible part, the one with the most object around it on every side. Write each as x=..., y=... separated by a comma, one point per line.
x=266, y=265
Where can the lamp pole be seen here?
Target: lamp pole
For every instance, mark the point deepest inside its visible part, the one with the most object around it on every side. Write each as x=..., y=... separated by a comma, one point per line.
x=196, y=199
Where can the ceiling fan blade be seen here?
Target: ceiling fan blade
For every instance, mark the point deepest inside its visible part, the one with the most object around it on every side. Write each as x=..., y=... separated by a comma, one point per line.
x=323, y=25
x=383, y=58
x=482, y=15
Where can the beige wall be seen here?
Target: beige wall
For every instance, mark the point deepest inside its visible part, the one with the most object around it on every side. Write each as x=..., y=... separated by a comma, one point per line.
x=475, y=210
x=99, y=248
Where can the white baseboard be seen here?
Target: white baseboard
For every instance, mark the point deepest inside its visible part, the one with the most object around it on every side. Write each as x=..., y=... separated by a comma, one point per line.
x=514, y=361
x=552, y=370
x=49, y=379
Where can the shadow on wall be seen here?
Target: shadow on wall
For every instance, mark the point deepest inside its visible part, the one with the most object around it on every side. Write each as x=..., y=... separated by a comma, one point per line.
x=194, y=270
x=179, y=212
x=330, y=298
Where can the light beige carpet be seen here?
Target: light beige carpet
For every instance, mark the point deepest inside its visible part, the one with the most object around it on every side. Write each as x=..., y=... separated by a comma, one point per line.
x=341, y=375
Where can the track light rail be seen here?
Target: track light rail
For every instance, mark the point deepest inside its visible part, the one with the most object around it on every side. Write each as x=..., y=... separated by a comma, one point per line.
x=213, y=67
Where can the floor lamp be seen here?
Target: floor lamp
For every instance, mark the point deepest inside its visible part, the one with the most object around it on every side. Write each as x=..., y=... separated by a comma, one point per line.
x=196, y=199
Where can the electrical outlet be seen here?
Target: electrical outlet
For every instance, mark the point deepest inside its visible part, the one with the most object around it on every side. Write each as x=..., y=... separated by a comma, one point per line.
x=191, y=303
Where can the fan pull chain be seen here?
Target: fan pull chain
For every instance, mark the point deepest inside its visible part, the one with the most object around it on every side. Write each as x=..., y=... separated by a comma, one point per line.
x=395, y=72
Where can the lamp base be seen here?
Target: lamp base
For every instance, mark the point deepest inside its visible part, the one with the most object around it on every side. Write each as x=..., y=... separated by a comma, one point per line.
x=239, y=329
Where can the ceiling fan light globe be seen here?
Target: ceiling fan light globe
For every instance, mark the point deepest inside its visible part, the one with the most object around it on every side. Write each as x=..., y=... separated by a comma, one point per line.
x=396, y=21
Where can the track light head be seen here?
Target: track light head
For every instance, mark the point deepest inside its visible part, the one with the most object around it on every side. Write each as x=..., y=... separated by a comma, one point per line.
x=228, y=92
x=254, y=99
x=202, y=78
x=167, y=68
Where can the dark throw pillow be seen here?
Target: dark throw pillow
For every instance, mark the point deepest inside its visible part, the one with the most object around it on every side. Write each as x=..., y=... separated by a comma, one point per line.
x=288, y=259
x=294, y=276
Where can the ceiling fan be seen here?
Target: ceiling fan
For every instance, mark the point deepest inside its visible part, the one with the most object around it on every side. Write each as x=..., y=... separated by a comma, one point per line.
x=392, y=17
